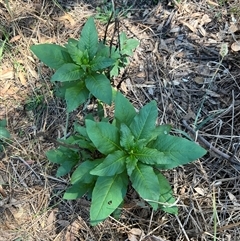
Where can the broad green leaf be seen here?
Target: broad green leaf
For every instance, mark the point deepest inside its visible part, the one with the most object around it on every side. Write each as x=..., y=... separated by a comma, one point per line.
x=72, y=41
x=100, y=87
x=82, y=142
x=126, y=137
x=149, y=155
x=103, y=50
x=82, y=173
x=65, y=168
x=85, y=144
x=177, y=151
x=128, y=46
x=144, y=122
x=166, y=198
x=68, y=72
x=145, y=182
x=66, y=157
x=60, y=155
x=75, y=53
x=124, y=110
x=76, y=191
x=104, y=136
x=89, y=38
x=115, y=69
x=163, y=129
x=70, y=140
x=122, y=38
x=76, y=95
x=131, y=163
x=139, y=145
x=113, y=164
x=115, y=55
x=4, y=133
x=54, y=56
x=160, y=130
x=100, y=63
x=3, y=123
x=60, y=90
x=80, y=129
x=107, y=195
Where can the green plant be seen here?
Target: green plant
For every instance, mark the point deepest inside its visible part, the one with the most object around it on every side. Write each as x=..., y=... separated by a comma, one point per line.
x=4, y=134
x=84, y=66
x=130, y=150
x=33, y=102
x=104, y=13
x=107, y=11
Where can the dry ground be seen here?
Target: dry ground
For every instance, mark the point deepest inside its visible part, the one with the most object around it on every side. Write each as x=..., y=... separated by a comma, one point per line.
x=179, y=64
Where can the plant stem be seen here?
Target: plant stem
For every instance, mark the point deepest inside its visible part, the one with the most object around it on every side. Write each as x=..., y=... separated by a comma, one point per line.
x=66, y=126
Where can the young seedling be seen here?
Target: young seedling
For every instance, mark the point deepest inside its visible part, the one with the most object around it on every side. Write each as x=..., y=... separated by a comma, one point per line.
x=83, y=66
x=130, y=150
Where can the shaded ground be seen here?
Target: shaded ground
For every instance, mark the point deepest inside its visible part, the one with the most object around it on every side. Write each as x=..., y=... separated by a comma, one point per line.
x=179, y=64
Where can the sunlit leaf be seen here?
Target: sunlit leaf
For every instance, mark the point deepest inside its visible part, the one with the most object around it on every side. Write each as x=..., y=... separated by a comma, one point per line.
x=107, y=195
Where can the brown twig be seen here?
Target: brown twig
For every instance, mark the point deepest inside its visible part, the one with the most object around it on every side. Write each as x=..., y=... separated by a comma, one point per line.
x=209, y=145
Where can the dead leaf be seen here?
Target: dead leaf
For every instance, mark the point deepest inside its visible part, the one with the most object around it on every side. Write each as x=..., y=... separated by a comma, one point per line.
x=205, y=19
x=153, y=238
x=44, y=39
x=5, y=88
x=233, y=199
x=19, y=214
x=67, y=17
x=2, y=192
x=192, y=28
x=235, y=46
x=202, y=30
x=135, y=234
x=212, y=3
x=124, y=88
x=51, y=221
x=14, y=39
x=199, y=80
x=72, y=231
x=233, y=28
x=6, y=74
x=9, y=89
x=22, y=78
x=33, y=72
x=200, y=191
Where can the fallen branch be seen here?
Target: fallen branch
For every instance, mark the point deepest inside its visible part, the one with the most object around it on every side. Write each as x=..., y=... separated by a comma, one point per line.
x=209, y=145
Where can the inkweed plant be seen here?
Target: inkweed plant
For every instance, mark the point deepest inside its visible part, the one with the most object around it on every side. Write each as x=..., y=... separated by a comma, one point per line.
x=84, y=66
x=107, y=157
